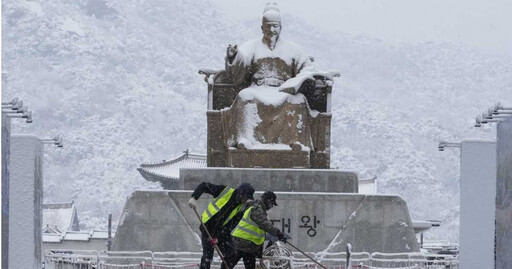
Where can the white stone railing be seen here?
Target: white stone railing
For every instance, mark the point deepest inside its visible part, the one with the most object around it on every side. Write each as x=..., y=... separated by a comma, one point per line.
x=89, y=259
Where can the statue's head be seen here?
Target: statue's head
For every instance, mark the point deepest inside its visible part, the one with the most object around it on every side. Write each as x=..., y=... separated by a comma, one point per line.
x=271, y=24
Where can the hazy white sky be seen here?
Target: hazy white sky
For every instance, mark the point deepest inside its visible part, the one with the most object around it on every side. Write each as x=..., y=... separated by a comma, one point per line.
x=485, y=24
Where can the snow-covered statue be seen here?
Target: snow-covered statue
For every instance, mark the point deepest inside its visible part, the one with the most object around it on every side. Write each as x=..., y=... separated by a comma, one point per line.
x=270, y=107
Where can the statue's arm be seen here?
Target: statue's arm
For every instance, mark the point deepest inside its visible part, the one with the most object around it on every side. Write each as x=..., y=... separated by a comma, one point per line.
x=302, y=68
x=322, y=78
x=305, y=64
x=308, y=78
x=236, y=68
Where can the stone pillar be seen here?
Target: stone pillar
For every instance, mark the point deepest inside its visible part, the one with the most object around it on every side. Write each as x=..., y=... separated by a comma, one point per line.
x=6, y=138
x=26, y=195
x=504, y=195
x=477, y=203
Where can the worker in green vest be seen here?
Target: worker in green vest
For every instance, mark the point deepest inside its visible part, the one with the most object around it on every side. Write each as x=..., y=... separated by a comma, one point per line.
x=249, y=234
x=220, y=217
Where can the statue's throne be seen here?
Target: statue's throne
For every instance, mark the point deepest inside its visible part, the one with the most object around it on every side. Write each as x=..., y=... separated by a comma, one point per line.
x=222, y=93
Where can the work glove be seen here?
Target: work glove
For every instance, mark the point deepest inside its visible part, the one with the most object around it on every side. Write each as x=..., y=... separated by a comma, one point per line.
x=271, y=238
x=192, y=203
x=213, y=242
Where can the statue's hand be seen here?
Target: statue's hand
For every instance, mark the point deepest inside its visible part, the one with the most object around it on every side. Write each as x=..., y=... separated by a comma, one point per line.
x=231, y=52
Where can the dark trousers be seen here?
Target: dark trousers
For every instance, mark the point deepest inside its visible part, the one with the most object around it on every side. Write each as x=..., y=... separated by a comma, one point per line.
x=249, y=258
x=206, y=259
x=225, y=245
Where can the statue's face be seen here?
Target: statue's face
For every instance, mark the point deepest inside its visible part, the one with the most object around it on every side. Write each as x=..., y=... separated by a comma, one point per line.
x=271, y=30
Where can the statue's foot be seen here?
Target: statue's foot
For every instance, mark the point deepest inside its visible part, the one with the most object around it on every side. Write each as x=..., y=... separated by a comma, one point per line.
x=296, y=146
x=241, y=146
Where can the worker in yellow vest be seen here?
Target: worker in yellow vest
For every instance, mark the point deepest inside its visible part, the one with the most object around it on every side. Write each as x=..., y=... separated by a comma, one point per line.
x=249, y=234
x=220, y=217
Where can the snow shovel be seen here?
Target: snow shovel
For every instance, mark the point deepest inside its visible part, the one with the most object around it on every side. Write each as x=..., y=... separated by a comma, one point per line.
x=211, y=240
x=303, y=253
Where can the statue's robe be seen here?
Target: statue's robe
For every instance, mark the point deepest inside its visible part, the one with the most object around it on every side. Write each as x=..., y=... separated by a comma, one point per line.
x=261, y=116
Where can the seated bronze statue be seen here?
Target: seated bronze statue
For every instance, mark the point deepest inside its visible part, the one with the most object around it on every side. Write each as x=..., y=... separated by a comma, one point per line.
x=270, y=107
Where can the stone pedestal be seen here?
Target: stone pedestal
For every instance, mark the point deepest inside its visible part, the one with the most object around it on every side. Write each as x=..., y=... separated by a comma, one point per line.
x=152, y=220
x=163, y=221
x=319, y=208
x=268, y=158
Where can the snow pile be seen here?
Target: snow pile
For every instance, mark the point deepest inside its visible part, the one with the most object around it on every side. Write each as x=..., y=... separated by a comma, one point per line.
x=59, y=217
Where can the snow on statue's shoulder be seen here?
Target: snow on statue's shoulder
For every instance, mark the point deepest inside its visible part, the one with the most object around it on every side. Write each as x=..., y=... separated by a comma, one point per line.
x=285, y=50
x=290, y=50
x=246, y=50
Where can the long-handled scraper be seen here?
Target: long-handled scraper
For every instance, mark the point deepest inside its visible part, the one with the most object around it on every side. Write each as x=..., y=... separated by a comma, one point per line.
x=211, y=240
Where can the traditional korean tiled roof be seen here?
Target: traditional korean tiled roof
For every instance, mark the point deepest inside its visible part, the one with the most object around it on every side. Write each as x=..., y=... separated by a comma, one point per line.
x=421, y=226
x=170, y=169
x=60, y=216
x=75, y=236
x=100, y=234
x=52, y=238
x=51, y=230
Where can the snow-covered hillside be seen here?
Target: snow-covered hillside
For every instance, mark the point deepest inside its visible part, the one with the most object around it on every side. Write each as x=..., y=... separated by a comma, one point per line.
x=119, y=80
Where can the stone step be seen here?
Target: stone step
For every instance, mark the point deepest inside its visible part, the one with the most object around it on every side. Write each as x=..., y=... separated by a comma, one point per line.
x=307, y=180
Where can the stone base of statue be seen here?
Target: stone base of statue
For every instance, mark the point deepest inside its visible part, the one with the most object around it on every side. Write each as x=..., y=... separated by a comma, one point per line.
x=268, y=158
x=319, y=208
x=162, y=221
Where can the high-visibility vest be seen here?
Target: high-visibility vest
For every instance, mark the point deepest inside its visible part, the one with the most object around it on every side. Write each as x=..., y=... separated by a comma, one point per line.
x=248, y=229
x=215, y=206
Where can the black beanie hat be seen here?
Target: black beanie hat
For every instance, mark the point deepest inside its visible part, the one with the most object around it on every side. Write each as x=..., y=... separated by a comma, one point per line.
x=246, y=189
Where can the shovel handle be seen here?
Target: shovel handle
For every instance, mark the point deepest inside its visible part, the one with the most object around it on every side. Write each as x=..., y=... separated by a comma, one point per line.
x=211, y=239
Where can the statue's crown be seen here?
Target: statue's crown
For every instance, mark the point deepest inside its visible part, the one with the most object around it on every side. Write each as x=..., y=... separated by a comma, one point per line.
x=271, y=12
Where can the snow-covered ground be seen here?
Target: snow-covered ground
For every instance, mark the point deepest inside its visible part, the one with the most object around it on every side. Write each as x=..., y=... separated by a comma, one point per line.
x=119, y=80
